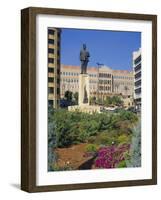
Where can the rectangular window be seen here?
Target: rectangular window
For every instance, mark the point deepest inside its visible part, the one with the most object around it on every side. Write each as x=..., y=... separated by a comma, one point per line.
x=138, y=75
x=50, y=102
x=58, y=80
x=50, y=50
x=58, y=62
x=50, y=31
x=50, y=60
x=137, y=60
x=58, y=90
x=50, y=70
x=50, y=90
x=58, y=71
x=138, y=91
x=137, y=83
x=138, y=67
x=50, y=79
x=58, y=34
x=50, y=41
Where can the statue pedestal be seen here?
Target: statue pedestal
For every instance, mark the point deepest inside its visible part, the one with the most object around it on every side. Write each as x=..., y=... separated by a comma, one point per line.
x=83, y=96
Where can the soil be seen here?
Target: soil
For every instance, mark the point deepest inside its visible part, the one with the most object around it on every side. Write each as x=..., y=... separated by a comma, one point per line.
x=74, y=158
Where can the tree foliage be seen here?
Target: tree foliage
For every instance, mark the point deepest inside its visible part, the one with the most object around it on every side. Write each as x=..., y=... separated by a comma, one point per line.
x=75, y=95
x=135, y=151
x=67, y=128
x=51, y=138
x=110, y=101
x=68, y=95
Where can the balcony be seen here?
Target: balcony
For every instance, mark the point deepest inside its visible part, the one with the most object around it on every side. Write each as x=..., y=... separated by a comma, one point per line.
x=137, y=96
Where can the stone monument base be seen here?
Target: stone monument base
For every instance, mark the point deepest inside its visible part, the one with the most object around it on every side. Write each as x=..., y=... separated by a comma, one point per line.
x=83, y=97
x=85, y=108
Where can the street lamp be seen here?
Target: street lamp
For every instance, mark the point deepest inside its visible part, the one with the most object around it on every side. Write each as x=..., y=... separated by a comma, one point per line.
x=99, y=65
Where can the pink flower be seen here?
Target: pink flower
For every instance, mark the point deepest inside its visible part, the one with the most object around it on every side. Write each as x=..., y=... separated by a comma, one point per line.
x=109, y=157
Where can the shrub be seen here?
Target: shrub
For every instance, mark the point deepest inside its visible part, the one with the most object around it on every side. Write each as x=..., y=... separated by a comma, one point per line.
x=110, y=157
x=91, y=148
x=78, y=127
x=91, y=139
x=135, y=151
x=51, y=139
x=122, y=164
x=123, y=139
x=105, y=139
x=128, y=115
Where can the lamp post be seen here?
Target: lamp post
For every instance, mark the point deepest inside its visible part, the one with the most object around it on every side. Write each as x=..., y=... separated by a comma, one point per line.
x=99, y=65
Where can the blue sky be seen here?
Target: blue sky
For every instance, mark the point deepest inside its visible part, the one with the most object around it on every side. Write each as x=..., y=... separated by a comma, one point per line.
x=111, y=48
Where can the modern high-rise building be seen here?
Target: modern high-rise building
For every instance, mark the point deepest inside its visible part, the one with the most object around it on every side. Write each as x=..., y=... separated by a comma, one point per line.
x=103, y=81
x=137, y=78
x=54, y=37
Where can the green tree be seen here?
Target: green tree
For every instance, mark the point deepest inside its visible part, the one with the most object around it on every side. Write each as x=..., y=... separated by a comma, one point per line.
x=116, y=100
x=108, y=101
x=92, y=100
x=98, y=101
x=76, y=97
x=68, y=95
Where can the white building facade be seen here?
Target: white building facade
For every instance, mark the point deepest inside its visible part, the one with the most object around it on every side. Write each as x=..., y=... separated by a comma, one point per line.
x=137, y=78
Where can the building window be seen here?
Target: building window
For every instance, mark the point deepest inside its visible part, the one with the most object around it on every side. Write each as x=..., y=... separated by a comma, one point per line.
x=50, y=50
x=137, y=60
x=59, y=34
x=138, y=67
x=51, y=32
x=58, y=71
x=138, y=75
x=137, y=83
x=50, y=79
x=138, y=91
x=50, y=41
x=50, y=102
x=50, y=60
x=58, y=62
x=50, y=70
x=50, y=90
x=58, y=81
x=58, y=90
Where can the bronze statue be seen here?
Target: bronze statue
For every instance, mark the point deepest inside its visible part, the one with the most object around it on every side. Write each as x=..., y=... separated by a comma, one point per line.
x=84, y=58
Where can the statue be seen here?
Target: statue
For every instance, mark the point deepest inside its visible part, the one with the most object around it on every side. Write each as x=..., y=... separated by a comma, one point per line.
x=84, y=58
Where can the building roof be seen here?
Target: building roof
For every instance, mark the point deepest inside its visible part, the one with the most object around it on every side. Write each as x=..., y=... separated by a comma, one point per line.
x=77, y=68
x=94, y=69
x=122, y=71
